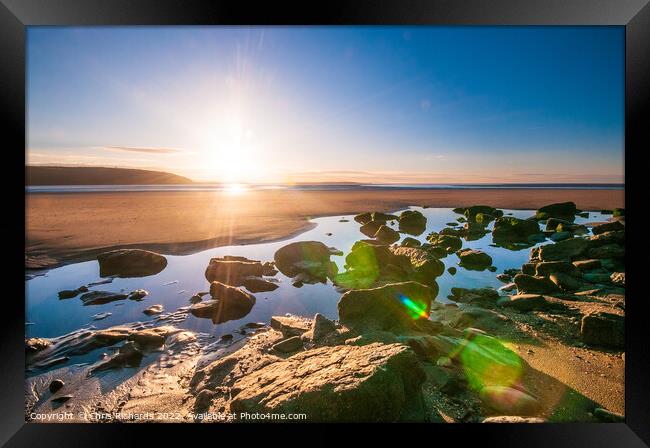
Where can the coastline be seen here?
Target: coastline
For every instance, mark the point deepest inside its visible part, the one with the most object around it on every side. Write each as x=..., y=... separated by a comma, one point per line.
x=73, y=227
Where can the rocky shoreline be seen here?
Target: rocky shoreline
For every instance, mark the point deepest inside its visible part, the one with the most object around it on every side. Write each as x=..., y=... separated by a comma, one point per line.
x=547, y=346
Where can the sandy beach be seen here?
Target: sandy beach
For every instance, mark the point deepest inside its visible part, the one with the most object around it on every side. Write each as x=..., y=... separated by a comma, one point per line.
x=62, y=228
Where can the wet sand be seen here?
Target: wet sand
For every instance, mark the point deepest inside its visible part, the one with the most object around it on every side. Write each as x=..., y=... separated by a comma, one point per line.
x=63, y=228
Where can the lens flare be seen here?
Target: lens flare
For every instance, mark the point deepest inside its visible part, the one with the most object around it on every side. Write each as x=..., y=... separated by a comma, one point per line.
x=414, y=309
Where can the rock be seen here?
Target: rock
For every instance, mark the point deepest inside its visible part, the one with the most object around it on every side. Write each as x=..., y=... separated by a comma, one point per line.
x=607, y=251
x=618, y=212
x=513, y=419
x=101, y=297
x=481, y=318
x=475, y=260
x=373, y=337
x=564, y=281
x=305, y=257
x=476, y=296
x=62, y=398
x=289, y=326
x=101, y=316
x=151, y=337
x=391, y=307
x=289, y=345
x=473, y=231
x=258, y=284
x=611, y=237
x=138, y=294
x=229, y=303
x=232, y=272
x=471, y=212
x=412, y=222
x=562, y=210
x=129, y=355
x=321, y=327
x=484, y=218
x=528, y=268
x=203, y=401
x=426, y=266
x=564, y=250
x=618, y=278
x=70, y=293
x=560, y=236
x=369, y=229
x=553, y=223
x=505, y=278
x=268, y=269
x=607, y=416
x=369, y=383
x=153, y=309
x=509, y=229
x=587, y=265
x=33, y=345
x=364, y=218
x=547, y=268
x=603, y=329
x=55, y=385
x=597, y=277
x=410, y=242
x=387, y=235
x=452, y=232
x=509, y=400
x=533, y=284
x=130, y=263
x=571, y=228
x=449, y=242
x=524, y=302
x=452, y=270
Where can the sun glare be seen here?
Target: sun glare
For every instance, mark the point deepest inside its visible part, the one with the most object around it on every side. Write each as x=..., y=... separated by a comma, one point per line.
x=235, y=188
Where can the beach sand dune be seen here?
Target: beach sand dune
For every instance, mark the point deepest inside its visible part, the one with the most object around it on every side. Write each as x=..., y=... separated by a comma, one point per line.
x=62, y=228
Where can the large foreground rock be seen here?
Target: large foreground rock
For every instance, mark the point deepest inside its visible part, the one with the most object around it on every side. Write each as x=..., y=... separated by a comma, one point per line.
x=310, y=258
x=394, y=307
x=371, y=383
x=130, y=263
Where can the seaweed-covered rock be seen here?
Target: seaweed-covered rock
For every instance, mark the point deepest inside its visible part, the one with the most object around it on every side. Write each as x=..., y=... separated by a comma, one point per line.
x=311, y=258
x=426, y=266
x=393, y=307
x=448, y=242
x=561, y=210
x=130, y=263
x=379, y=217
x=412, y=222
x=369, y=383
x=471, y=212
x=387, y=235
x=511, y=229
x=410, y=242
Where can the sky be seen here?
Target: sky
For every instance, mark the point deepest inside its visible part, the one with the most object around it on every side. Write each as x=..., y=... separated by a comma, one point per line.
x=331, y=104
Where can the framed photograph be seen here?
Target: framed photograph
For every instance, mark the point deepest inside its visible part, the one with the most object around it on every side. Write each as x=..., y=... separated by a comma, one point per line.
x=361, y=212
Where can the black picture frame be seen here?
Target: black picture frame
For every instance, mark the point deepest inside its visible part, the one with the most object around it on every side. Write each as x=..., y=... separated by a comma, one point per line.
x=16, y=15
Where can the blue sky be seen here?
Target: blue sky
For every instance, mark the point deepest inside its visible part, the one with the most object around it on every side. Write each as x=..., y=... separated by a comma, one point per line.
x=368, y=104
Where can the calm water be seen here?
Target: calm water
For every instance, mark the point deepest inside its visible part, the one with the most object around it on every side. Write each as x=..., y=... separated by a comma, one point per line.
x=184, y=276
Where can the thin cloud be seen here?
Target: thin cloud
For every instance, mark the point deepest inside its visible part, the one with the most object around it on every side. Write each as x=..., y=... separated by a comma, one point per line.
x=143, y=149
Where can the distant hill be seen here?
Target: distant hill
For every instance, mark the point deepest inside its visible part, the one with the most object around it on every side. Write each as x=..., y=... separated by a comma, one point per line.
x=82, y=175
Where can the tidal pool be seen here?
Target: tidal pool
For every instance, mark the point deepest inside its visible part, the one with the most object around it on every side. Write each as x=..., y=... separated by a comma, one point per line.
x=48, y=316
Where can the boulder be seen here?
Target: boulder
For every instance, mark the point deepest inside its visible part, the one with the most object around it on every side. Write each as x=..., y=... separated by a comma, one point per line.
x=410, y=242
x=412, y=222
x=153, y=309
x=511, y=229
x=232, y=272
x=618, y=212
x=607, y=251
x=564, y=250
x=426, y=266
x=603, y=329
x=524, y=302
x=387, y=235
x=369, y=229
x=611, y=237
x=70, y=293
x=228, y=303
x=56, y=385
x=33, y=345
x=471, y=212
x=321, y=327
x=137, y=295
x=533, y=284
x=258, y=284
x=565, y=281
x=484, y=218
x=305, y=257
x=393, y=307
x=449, y=242
x=607, y=227
x=475, y=260
x=587, y=265
x=289, y=345
x=553, y=223
x=547, y=268
x=344, y=383
x=130, y=263
x=562, y=210
x=289, y=325
x=379, y=217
